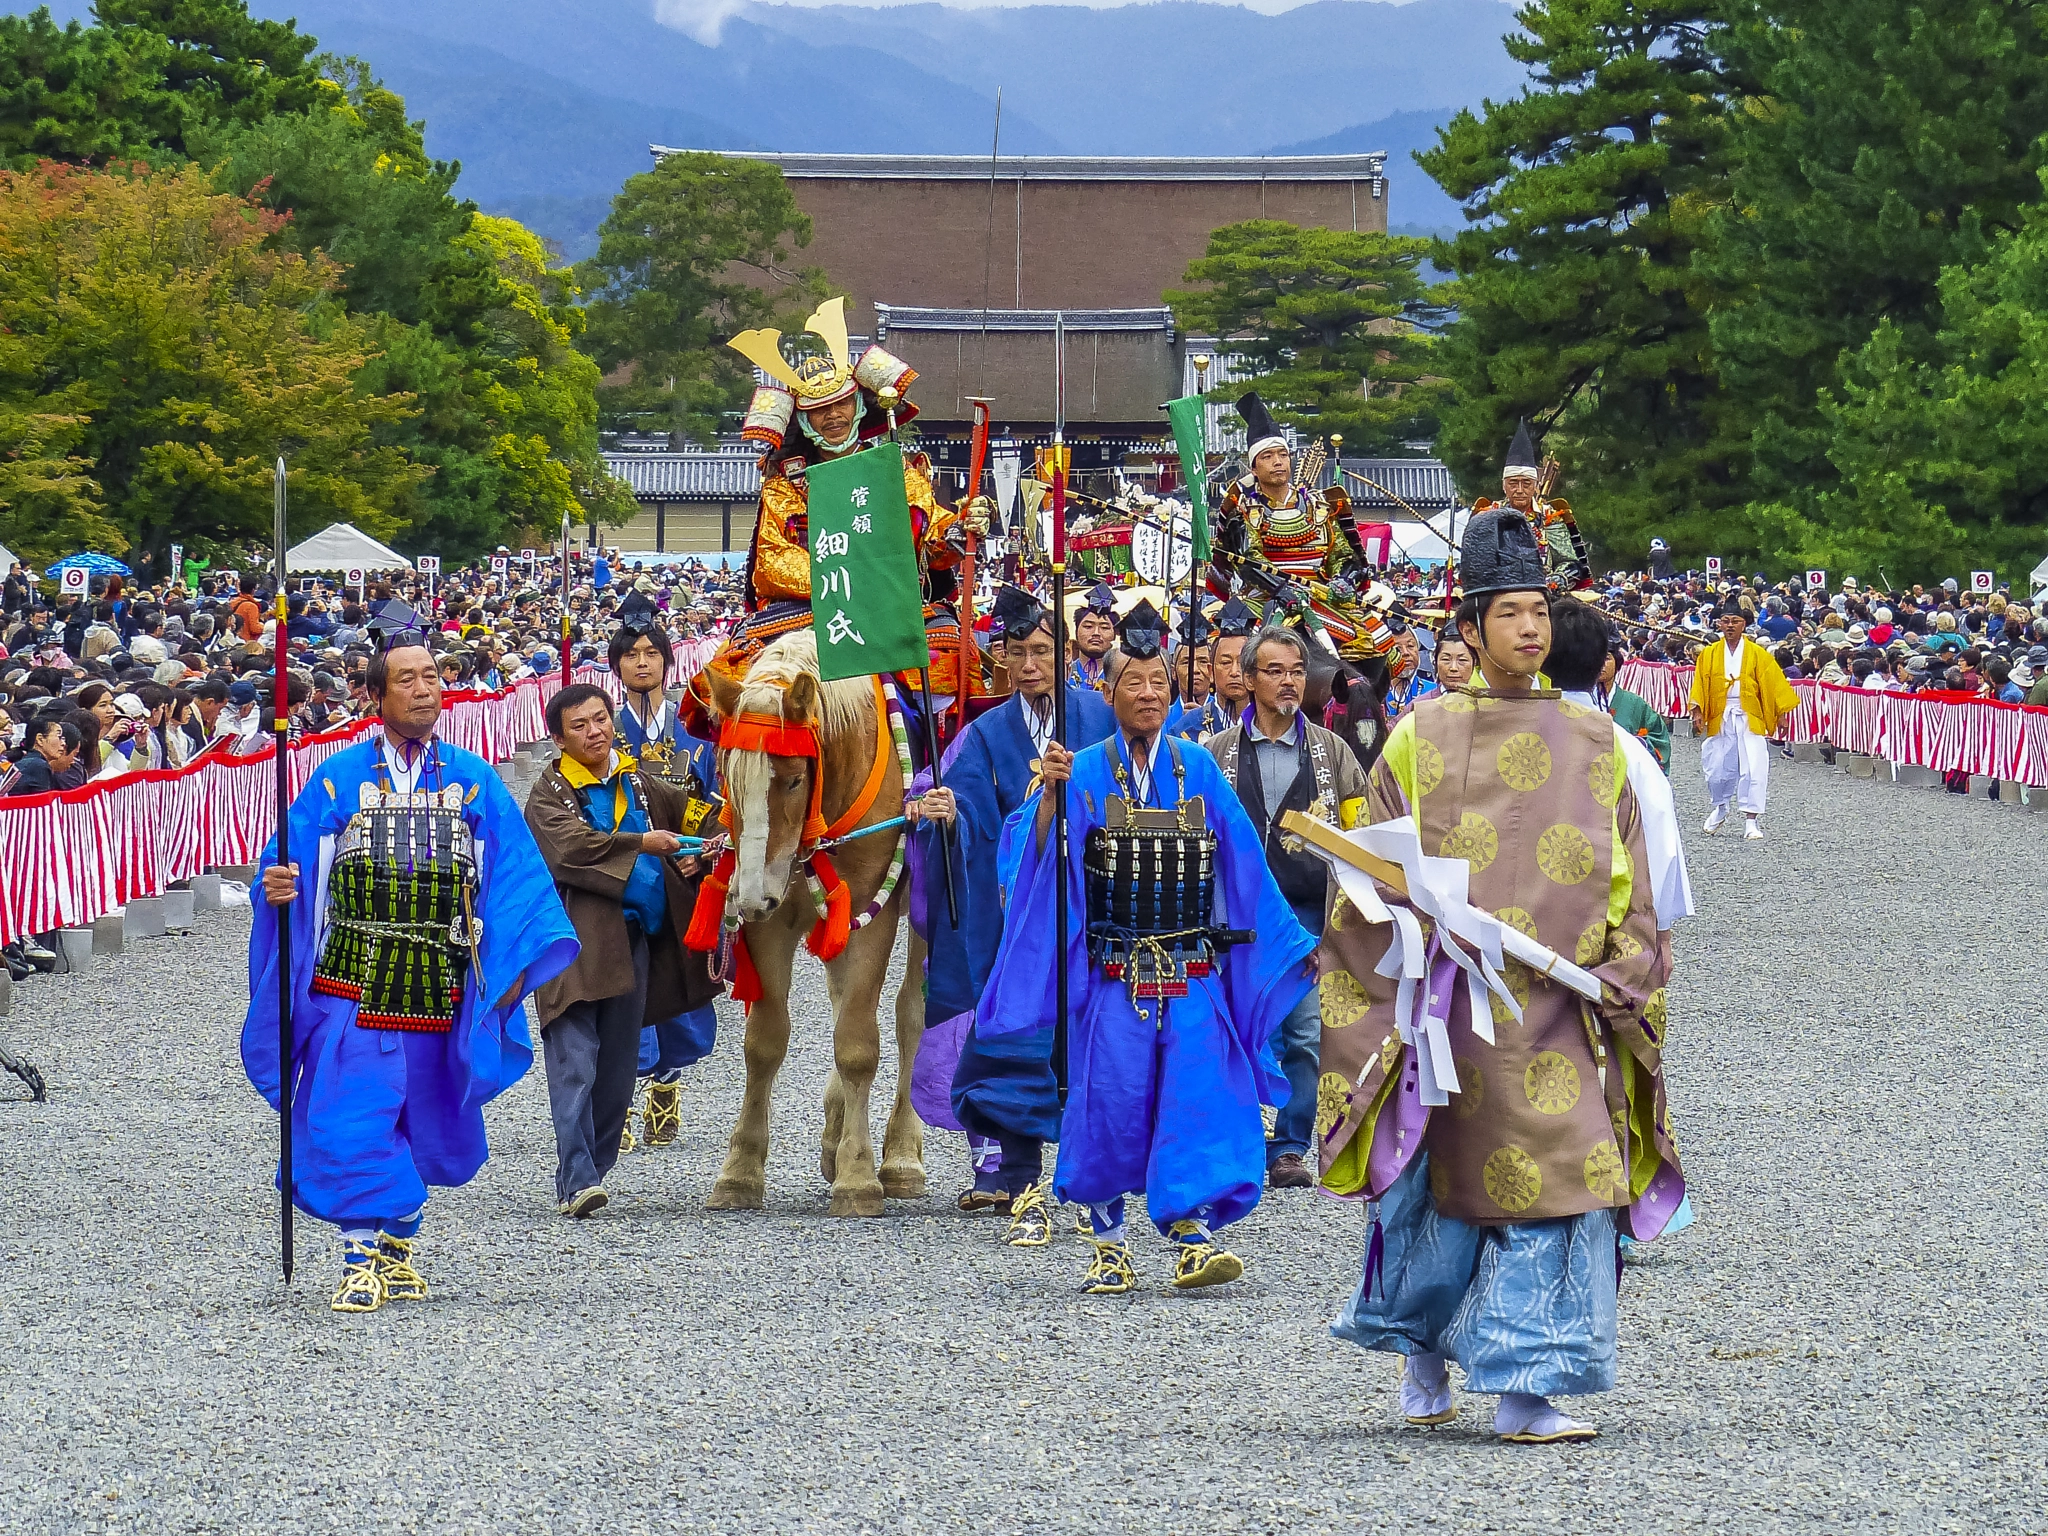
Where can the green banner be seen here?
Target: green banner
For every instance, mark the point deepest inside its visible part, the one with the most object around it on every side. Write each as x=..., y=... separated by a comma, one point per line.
x=867, y=603
x=1189, y=417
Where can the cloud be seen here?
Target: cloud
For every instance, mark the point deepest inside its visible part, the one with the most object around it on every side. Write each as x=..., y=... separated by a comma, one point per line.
x=703, y=20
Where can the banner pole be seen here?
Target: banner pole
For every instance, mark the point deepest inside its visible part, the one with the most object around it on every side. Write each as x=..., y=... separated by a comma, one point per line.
x=281, y=728
x=1059, y=699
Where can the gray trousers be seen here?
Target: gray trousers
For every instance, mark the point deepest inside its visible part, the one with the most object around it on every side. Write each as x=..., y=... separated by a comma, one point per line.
x=593, y=1056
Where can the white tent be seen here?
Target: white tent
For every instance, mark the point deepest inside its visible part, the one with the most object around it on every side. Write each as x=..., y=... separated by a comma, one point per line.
x=7, y=558
x=2040, y=578
x=1420, y=543
x=342, y=547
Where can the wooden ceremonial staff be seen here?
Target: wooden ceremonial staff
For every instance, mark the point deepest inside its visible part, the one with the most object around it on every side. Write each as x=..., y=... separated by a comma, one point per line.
x=281, y=726
x=1059, y=699
x=977, y=456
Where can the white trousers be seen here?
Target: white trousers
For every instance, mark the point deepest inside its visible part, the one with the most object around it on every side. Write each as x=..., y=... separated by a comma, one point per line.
x=1737, y=762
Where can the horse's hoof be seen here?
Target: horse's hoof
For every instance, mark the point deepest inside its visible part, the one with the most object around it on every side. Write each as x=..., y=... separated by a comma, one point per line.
x=905, y=1182
x=863, y=1200
x=736, y=1195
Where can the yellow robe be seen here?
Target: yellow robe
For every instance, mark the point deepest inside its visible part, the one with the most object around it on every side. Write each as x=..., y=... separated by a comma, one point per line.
x=1766, y=696
x=782, y=557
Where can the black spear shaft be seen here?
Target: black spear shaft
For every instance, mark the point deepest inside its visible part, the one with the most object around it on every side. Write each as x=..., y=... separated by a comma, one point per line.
x=1059, y=702
x=281, y=726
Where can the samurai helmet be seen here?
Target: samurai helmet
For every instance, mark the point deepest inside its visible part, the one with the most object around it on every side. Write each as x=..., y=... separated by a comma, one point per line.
x=811, y=380
x=1521, y=454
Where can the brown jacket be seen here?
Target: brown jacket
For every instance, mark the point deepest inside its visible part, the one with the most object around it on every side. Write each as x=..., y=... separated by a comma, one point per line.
x=591, y=869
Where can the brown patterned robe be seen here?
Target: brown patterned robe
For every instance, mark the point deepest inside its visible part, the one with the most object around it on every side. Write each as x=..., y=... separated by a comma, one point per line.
x=1565, y=1113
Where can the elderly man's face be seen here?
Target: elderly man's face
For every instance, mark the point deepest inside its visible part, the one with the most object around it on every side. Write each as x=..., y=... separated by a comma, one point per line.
x=1519, y=491
x=1732, y=627
x=1140, y=696
x=831, y=422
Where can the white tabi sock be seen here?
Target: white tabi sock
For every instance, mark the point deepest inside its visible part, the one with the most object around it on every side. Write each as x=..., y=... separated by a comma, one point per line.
x=1106, y=1231
x=1524, y=1413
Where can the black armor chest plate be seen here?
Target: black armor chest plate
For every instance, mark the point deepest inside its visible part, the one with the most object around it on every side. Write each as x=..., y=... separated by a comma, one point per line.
x=1151, y=889
x=401, y=910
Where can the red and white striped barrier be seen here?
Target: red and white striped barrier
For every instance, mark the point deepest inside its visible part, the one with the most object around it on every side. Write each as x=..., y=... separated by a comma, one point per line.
x=75, y=855
x=1947, y=732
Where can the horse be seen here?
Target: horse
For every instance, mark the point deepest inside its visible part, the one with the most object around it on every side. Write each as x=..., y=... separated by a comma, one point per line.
x=1357, y=689
x=806, y=763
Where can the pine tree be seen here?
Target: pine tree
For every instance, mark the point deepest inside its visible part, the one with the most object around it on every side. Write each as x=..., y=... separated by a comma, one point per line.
x=1577, y=303
x=1889, y=140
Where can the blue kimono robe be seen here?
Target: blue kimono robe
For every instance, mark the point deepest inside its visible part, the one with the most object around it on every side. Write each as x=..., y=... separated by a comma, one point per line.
x=380, y=1114
x=1209, y=718
x=670, y=1045
x=1166, y=1102
x=1001, y=1085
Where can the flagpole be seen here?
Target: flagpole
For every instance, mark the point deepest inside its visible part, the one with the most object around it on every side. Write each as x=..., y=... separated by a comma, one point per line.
x=281, y=727
x=1059, y=698
x=1201, y=388
x=888, y=399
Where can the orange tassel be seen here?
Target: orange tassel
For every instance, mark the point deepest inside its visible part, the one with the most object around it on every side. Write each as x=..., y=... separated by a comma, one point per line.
x=746, y=981
x=709, y=914
x=829, y=934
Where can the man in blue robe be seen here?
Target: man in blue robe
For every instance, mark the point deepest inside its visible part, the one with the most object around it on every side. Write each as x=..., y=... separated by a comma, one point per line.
x=1227, y=695
x=1094, y=636
x=999, y=1088
x=1169, y=1023
x=649, y=730
x=399, y=1037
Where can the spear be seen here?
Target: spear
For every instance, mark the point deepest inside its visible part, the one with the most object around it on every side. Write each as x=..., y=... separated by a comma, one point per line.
x=566, y=679
x=1059, y=696
x=281, y=725
x=977, y=456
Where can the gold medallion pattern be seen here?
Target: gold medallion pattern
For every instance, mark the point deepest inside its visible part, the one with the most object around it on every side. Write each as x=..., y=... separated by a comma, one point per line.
x=1654, y=1011
x=1390, y=1052
x=1513, y=1181
x=1429, y=767
x=1439, y=1182
x=1343, y=1000
x=1518, y=977
x=1337, y=910
x=1459, y=703
x=1519, y=919
x=1564, y=854
x=1475, y=841
x=1600, y=779
x=1591, y=942
x=1572, y=710
x=1471, y=1088
x=1603, y=1171
x=1333, y=1102
x=1523, y=761
x=1622, y=945
x=1552, y=1083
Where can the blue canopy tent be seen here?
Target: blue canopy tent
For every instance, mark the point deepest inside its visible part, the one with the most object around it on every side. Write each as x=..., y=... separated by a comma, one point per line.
x=98, y=565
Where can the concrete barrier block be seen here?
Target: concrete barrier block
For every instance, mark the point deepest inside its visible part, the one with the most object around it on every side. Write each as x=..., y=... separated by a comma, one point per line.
x=143, y=918
x=1806, y=752
x=244, y=874
x=1918, y=778
x=74, y=949
x=1856, y=765
x=509, y=774
x=205, y=892
x=2033, y=797
x=107, y=933
x=6, y=993
x=179, y=907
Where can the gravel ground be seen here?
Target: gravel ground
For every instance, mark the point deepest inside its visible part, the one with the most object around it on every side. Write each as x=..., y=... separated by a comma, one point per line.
x=1849, y=1339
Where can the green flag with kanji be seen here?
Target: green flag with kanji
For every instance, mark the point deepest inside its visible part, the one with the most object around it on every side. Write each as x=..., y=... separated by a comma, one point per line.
x=867, y=603
x=1188, y=415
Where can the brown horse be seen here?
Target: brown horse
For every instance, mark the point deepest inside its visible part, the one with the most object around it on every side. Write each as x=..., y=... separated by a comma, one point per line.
x=774, y=798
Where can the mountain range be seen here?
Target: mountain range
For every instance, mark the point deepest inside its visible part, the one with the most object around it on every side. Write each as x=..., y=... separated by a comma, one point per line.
x=550, y=106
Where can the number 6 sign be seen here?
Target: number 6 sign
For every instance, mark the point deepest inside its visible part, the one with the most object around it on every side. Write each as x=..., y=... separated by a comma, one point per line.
x=76, y=578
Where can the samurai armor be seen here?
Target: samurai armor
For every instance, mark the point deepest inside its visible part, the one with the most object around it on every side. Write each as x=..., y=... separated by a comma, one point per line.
x=1151, y=892
x=401, y=910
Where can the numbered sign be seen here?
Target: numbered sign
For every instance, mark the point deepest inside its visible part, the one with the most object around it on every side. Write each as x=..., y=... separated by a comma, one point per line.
x=527, y=556
x=498, y=565
x=430, y=565
x=76, y=579
x=178, y=565
x=356, y=577
x=1816, y=581
x=1980, y=581
x=1713, y=565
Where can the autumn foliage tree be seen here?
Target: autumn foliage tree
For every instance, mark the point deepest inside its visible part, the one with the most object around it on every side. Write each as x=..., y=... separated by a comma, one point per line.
x=158, y=353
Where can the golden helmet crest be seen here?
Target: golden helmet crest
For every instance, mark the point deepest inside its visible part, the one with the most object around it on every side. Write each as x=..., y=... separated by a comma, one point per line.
x=813, y=379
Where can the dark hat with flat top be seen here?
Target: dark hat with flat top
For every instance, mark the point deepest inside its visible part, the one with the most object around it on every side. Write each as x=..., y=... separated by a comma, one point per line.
x=1017, y=613
x=1499, y=554
x=1142, y=632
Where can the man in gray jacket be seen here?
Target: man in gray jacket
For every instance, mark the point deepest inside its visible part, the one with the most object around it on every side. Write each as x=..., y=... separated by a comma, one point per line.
x=1278, y=762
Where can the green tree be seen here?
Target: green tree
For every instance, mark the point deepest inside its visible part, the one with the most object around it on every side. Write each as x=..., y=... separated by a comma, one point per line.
x=142, y=81
x=152, y=316
x=1334, y=324
x=694, y=251
x=466, y=315
x=1578, y=305
x=1888, y=142
x=1941, y=449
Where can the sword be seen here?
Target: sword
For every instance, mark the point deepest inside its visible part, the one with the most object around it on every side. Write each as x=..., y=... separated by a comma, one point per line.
x=281, y=726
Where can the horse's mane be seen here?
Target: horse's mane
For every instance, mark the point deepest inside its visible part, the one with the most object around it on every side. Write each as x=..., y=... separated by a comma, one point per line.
x=848, y=700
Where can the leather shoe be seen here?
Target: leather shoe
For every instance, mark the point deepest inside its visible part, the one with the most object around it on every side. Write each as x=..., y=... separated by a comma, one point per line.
x=1288, y=1172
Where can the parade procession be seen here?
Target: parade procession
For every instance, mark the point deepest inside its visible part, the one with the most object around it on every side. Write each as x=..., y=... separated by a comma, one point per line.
x=1223, y=768
x=1172, y=944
